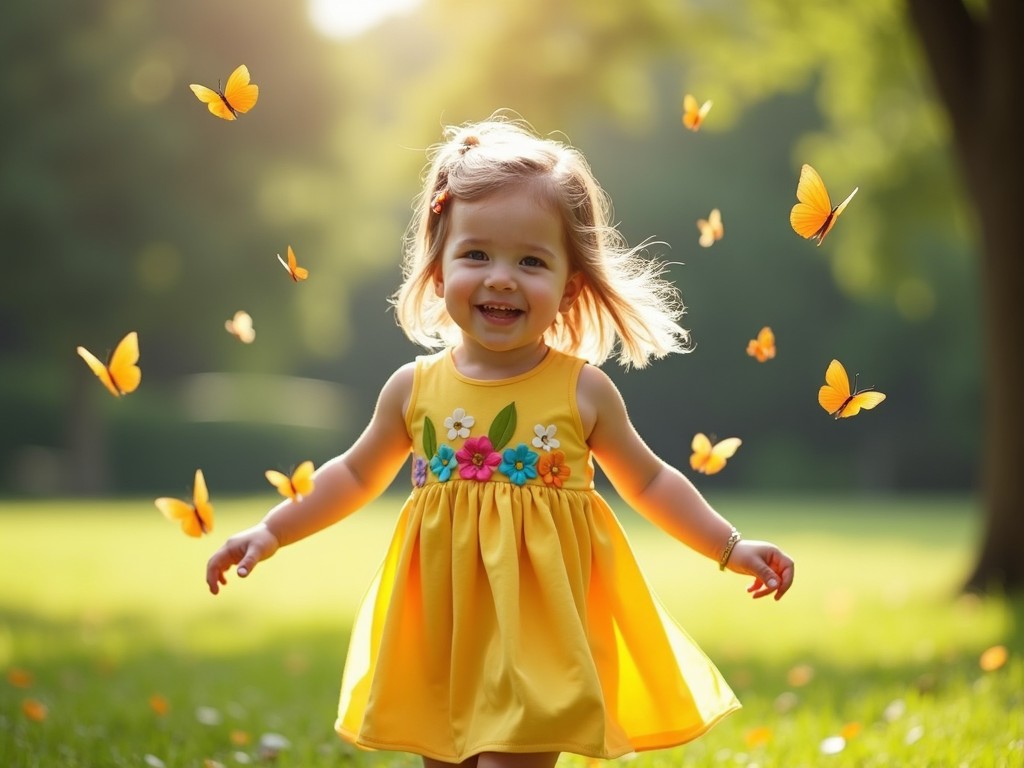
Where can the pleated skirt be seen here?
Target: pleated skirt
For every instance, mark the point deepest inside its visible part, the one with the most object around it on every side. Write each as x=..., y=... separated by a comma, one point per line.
x=512, y=618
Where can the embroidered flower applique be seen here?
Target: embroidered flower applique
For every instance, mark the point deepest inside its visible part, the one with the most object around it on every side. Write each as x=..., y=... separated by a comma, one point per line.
x=477, y=458
x=545, y=437
x=444, y=462
x=419, y=471
x=553, y=469
x=459, y=424
x=519, y=463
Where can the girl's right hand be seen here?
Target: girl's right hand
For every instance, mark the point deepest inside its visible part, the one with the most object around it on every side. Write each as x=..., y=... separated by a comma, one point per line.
x=243, y=550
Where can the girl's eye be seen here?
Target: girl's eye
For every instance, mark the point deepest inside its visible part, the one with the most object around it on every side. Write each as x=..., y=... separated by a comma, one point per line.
x=533, y=261
x=476, y=255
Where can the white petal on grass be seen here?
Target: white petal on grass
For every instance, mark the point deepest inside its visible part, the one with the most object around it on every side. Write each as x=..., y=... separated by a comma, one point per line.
x=153, y=761
x=914, y=735
x=209, y=716
x=833, y=745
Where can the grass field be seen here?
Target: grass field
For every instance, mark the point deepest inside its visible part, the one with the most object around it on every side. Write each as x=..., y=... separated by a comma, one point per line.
x=113, y=653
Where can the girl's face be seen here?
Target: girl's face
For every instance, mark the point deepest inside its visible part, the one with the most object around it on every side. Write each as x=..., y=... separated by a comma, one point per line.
x=505, y=271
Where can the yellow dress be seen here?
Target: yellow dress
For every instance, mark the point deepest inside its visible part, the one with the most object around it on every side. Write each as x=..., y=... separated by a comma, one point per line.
x=509, y=614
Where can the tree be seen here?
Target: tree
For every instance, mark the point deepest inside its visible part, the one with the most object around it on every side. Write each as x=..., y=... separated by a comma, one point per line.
x=975, y=61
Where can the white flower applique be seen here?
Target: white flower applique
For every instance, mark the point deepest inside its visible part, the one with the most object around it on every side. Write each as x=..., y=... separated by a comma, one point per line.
x=459, y=424
x=545, y=437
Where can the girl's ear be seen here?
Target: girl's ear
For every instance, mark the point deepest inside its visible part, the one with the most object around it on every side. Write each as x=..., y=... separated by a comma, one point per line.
x=438, y=280
x=573, y=288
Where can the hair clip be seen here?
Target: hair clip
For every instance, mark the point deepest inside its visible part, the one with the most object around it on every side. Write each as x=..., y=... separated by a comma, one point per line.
x=437, y=204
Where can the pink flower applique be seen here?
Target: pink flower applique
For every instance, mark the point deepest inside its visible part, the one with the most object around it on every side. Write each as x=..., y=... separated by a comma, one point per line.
x=477, y=459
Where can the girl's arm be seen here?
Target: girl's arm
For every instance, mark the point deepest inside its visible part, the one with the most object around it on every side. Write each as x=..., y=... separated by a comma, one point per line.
x=663, y=494
x=341, y=486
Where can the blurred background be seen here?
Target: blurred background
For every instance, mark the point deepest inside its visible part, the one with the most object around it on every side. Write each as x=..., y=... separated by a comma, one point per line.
x=126, y=206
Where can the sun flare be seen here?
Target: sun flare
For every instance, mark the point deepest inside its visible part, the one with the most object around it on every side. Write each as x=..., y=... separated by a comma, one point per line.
x=343, y=19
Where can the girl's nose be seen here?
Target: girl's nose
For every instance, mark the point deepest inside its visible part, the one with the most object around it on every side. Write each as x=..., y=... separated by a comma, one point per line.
x=500, y=278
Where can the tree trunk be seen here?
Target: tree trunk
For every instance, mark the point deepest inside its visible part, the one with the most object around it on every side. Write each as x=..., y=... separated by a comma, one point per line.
x=974, y=64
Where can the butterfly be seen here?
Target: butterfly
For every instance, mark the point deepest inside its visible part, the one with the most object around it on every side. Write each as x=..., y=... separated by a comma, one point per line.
x=836, y=398
x=814, y=216
x=711, y=228
x=295, y=487
x=708, y=458
x=121, y=374
x=763, y=347
x=195, y=518
x=239, y=95
x=693, y=115
x=241, y=326
x=297, y=273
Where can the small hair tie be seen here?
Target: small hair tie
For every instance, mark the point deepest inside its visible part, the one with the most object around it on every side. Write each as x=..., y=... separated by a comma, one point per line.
x=437, y=204
x=468, y=143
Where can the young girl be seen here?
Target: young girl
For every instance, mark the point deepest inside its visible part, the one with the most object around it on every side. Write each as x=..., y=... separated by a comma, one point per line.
x=509, y=620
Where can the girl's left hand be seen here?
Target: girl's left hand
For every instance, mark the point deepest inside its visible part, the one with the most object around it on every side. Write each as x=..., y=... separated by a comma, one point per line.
x=771, y=568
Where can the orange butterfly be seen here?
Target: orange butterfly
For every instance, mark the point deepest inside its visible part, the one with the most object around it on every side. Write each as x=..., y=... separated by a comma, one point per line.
x=297, y=273
x=195, y=518
x=295, y=487
x=814, y=215
x=241, y=326
x=763, y=347
x=836, y=398
x=239, y=95
x=711, y=459
x=693, y=115
x=711, y=229
x=121, y=374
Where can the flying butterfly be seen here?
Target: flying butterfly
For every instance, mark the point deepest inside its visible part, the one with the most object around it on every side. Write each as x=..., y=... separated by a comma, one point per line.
x=195, y=518
x=238, y=96
x=711, y=228
x=296, y=272
x=836, y=398
x=694, y=113
x=763, y=347
x=121, y=373
x=708, y=458
x=813, y=216
x=240, y=326
x=295, y=487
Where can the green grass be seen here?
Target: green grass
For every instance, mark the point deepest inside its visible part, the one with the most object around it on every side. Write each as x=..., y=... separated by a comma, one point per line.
x=104, y=605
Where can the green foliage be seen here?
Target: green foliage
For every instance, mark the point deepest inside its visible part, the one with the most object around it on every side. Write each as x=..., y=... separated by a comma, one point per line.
x=109, y=609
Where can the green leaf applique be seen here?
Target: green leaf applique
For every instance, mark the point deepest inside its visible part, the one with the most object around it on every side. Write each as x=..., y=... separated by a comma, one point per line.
x=429, y=437
x=503, y=427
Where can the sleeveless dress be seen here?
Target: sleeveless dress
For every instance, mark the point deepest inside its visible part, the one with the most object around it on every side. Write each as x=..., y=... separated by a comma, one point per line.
x=509, y=614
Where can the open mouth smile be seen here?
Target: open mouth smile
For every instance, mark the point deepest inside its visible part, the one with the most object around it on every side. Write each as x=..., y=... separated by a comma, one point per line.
x=499, y=312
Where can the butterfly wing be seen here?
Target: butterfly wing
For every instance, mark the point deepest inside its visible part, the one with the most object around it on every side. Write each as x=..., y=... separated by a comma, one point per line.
x=298, y=273
x=202, y=519
x=701, y=447
x=814, y=207
x=123, y=368
x=763, y=347
x=239, y=92
x=302, y=478
x=281, y=481
x=711, y=228
x=213, y=101
x=835, y=215
x=241, y=327
x=836, y=391
x=720, y=453
x=861, y=401
x=98, y=368
x=693, y=114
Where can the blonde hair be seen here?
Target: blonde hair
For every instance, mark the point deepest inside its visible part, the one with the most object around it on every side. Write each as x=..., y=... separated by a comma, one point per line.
x=625, y=303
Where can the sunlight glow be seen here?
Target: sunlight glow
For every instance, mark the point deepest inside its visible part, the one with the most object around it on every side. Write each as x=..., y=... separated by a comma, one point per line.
x=349, y=18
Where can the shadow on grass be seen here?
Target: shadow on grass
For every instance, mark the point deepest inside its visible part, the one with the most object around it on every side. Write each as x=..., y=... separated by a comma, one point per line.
x=122, y=692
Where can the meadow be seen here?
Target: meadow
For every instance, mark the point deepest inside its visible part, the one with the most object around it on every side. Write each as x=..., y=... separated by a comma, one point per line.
x=112, y=653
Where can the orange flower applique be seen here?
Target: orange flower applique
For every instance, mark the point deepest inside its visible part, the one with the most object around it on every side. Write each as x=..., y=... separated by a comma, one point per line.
x=553, y=469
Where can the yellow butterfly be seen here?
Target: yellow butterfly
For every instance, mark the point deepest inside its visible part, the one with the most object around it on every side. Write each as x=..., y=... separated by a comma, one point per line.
x=693, y=115
x=763, y=347
x=121, y=374
x=296, y=272
x=241, y=327
x=836, y=398
x=813, y=217
x=708, y=458
x=295, y=487
x=711, y=228
x=195, y=518
x=238, y=96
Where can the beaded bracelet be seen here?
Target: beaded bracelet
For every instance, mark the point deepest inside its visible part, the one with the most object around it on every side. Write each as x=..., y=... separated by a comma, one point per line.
x=734, y=538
